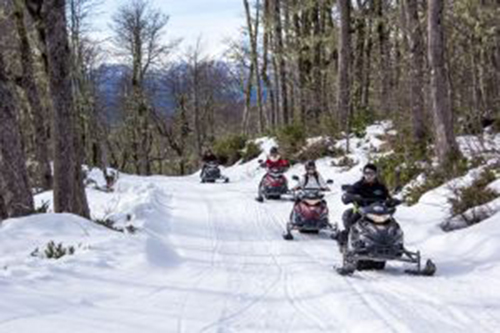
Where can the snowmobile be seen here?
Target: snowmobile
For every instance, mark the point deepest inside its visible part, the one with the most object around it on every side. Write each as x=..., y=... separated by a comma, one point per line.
x=211, y=173
x=377, y=238
x=274, y=184
x=310, y=213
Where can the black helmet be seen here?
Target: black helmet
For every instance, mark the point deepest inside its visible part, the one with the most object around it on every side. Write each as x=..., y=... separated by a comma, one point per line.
x=274, y=150
x=311, y=165
x=370, y=166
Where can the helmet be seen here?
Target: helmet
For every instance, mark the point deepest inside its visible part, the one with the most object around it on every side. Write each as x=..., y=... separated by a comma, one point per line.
x=311, y=165
x=370, y=166
x=273, y=151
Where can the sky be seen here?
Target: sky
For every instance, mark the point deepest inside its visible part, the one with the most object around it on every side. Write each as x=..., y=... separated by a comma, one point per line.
x=212, y=20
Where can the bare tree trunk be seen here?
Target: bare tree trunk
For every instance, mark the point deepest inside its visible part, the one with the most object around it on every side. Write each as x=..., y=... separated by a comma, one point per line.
x=365, y=99
x=416, y=75
x=38, y=111
x=343, y=93
x=278, y=35
x=446, y=146
x=69, y=192
x=265, y=66
x=359, y=58
x=3, y=209
x=385, y=76
x=253, y=31
x=248, y=100
x=15, y=191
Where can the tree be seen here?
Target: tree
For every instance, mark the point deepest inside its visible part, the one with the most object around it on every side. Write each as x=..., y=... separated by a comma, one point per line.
x=446, y=146
x=343, y=92
x=253, y=32
x=280, y=62
x=38, y=110
x=138, y=30
x=15, y=191
x=69, y=191
x=416, y=48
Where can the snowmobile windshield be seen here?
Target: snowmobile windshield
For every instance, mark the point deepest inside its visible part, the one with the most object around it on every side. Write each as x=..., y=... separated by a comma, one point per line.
x=378, y=208
x=276, y=172
x=379, y=219
x=312, y=194
x=312, y=197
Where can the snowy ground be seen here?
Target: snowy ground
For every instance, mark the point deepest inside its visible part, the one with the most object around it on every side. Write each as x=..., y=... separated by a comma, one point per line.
x=209, y=258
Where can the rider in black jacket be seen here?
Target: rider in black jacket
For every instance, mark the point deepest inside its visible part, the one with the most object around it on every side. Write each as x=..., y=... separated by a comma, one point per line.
x=208, y=157
x=369, y=188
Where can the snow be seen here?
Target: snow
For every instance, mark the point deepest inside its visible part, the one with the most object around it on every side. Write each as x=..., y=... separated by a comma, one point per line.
x=209, y=258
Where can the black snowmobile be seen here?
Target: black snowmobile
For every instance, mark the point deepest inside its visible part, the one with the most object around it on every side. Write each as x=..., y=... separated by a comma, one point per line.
x=211, y=173
x=377, y=238
x=310, y=213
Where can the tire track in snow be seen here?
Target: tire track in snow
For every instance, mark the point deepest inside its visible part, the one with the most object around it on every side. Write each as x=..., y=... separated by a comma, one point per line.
x=366, y=300
x=206, y=271
x=289, y=288
x=236, y=317
x=443, y=309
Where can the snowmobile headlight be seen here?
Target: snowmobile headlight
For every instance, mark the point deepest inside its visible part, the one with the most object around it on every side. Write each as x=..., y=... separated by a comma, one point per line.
x=378, y=218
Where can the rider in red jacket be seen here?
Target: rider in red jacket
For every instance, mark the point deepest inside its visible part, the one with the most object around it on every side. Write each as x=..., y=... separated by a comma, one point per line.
x=274, y=160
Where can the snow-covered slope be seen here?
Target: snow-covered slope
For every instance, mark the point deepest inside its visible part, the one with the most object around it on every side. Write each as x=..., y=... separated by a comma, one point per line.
x=209, y=258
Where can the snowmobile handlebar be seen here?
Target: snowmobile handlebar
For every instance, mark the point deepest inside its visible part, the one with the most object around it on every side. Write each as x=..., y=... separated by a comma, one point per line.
x=357, y=199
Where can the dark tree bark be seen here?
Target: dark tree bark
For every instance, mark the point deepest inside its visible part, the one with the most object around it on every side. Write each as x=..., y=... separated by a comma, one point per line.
x=37, y=109
x=417, y=67
x=383, y=44
x=3, y=209
x=265, y=67
x=15, y=190
x=253, y=30
x=446, y=146
x=282, y=68
x=69, y=191
x=343, y=93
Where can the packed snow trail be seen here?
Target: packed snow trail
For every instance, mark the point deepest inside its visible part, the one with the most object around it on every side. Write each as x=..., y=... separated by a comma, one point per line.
x=214, y=260
x=209, y=258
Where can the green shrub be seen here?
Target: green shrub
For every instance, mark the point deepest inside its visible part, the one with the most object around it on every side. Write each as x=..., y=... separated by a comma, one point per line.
x=44, y=208
x=229, y=148
x=394, y=172
x=291, y=139
x=432, y=180
x=360, y=121
x=477, y=194
x=345, y=162
x=251, y=151
x=435, y=178
x=54, y=251
x=110, y=224
x=319, y=149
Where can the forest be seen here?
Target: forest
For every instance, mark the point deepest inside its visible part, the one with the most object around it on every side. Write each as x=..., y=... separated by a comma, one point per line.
x=298, y=69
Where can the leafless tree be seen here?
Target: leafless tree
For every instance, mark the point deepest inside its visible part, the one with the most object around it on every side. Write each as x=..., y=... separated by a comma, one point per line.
x=343, y=93
x=139, y=31
x=446, y=146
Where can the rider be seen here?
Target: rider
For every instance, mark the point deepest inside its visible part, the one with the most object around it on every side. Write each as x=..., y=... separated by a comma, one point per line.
x=208, y=157
x=370, y=188
x=312, y=179
x=274, y=160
